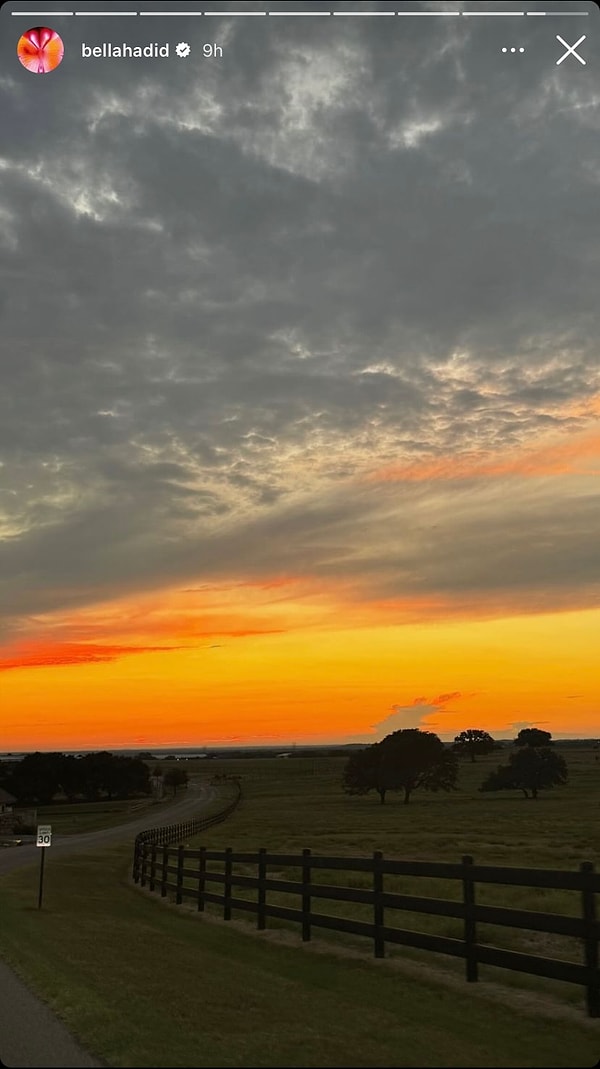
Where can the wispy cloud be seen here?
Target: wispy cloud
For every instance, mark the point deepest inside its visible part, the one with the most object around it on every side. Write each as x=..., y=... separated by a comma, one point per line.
x=417, y=714
x=59, y=655
x=579, y=455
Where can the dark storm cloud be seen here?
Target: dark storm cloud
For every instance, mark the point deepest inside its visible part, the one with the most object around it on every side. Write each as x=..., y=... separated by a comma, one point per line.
x=229, y=287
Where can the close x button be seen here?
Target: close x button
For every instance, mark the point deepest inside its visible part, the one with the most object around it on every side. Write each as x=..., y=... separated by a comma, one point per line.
x=570, y=49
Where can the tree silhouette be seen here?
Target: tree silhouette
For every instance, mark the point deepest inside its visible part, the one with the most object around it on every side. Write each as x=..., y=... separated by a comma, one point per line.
x=406, y=760
x=70, y=776
x=364, y=772
x=40, y=776
x=473, y=741
x=533, y=737
x=175, y=777
x=528, y=770
x=36, y=779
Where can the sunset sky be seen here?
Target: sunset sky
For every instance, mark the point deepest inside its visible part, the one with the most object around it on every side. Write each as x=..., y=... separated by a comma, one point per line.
x=300, y=382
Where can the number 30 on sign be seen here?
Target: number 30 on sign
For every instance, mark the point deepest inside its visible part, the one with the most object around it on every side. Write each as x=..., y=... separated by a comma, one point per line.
x=44, y=835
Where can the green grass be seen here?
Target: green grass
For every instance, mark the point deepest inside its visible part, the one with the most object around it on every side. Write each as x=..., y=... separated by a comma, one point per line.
x=70, y=818
x=142, y=984
x=299, y=803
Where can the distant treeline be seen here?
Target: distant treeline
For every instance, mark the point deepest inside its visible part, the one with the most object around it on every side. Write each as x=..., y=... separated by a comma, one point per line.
x=39, y=777
x=252, y=754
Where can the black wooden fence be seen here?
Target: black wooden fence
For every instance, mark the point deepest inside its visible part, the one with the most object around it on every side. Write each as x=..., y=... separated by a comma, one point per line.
x=153, y=867
x=174, y=833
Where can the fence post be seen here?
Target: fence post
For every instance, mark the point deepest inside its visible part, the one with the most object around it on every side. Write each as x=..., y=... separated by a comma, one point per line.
x=470, y=933
x=164, y=875
x=180, y=859
x=136, y=861
x=305, y=896
x=378, y=904
x=261, y=922
x=201, y=879
x=152, y=865
x=227, y=885
x=590, y=939
x=144, y=864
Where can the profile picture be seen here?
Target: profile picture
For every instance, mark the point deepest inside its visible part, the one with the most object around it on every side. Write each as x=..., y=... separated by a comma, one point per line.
x=40, y=50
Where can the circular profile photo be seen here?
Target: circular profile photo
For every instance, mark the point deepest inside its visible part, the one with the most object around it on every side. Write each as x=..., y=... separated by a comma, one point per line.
x=40, y=50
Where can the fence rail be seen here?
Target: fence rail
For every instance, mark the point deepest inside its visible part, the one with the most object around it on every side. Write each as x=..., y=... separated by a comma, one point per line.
x=159, y=865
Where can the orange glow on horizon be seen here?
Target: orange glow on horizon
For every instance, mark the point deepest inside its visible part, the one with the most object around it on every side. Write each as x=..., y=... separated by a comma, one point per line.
x=310, y=681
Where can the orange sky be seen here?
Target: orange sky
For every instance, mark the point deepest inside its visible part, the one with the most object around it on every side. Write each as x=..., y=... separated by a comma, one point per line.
x=294, y=659
x=244, y=664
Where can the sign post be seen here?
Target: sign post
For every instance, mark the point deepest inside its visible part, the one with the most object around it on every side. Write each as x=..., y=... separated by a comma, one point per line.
x=44, y=839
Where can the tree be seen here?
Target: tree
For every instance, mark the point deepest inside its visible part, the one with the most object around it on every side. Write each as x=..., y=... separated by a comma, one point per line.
x=71, y=777
x=415, y=759
x=473, y=741
x=175, y=777
x=364, y=773
x=131, y=776
x=36, y=779
x=533, y=737
x=98, y=775
x=405, y=760
x=528, y=770
x=114, y=775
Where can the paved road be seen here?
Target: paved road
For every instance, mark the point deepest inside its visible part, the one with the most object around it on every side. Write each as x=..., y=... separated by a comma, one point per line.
x=31, y=1036
x=184, y=808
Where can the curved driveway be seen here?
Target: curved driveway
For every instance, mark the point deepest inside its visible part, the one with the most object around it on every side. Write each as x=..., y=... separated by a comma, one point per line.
x=31, y=1036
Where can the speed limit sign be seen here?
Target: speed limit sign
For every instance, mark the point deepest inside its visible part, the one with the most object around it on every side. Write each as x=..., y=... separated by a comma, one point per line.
x=44, y=838
x=44, y=835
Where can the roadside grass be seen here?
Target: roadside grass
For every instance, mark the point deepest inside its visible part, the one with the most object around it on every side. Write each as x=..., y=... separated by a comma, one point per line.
x=70, y=818
x=141, y=984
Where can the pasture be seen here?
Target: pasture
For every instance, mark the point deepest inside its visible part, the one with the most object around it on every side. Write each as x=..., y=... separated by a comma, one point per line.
x=297, y=803
x=291, y=804
x=142, y=983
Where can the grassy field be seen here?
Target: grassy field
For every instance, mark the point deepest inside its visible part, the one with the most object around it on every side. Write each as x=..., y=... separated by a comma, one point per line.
x=143, y=983
x=298, y=803
x=69, y=818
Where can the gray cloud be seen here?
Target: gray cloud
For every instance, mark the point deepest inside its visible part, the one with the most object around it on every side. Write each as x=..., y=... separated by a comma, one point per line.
x=230, y=291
